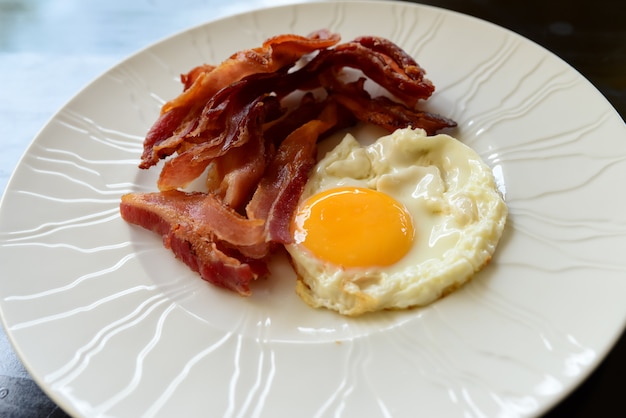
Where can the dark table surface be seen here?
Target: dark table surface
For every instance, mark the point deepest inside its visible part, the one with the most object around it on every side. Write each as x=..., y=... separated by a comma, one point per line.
x=50, y=50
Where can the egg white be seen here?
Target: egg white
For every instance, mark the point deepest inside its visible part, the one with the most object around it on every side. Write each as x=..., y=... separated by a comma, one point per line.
x=458, y=213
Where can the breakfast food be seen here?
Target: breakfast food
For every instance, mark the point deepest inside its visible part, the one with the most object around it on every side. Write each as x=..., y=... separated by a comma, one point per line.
x=396, y=224
x=249, y=128
x=251, y=124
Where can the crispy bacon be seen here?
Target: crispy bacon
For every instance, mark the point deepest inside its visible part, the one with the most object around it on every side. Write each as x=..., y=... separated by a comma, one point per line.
x=203, y=82
x=238, y=122
x=154, y=145
x=404, y=80
x=241, y=125
x=201, y=232
x=397, y=71
x=384, y=112
x=278, y=192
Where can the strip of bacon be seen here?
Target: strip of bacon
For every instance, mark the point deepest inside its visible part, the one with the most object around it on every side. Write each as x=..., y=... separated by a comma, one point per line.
x=196, y=226
x=384, y=71
x=154, y=145
x=384, y=112
x=398, y=73
x=406, y=79
x=278, y=192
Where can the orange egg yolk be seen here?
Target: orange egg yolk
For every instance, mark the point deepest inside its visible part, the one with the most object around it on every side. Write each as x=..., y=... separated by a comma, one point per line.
x=354, y=227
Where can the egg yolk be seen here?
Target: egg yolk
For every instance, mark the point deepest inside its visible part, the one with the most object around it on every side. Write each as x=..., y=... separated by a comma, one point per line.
x=354, y=227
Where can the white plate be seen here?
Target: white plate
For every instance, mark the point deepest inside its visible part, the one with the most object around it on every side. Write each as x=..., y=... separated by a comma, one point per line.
x=110, y=324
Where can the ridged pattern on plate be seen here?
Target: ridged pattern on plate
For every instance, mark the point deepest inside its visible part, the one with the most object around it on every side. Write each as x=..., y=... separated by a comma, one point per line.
x=110, y=324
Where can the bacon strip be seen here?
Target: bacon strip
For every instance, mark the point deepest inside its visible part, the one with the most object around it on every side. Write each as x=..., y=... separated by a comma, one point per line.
x=405, y=81
x=194, y=226
x=400, y=73
x=278, y=192
x=384, y=112
x=159, y=133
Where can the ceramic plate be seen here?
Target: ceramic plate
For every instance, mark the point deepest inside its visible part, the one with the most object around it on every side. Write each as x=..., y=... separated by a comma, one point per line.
x=109, y=323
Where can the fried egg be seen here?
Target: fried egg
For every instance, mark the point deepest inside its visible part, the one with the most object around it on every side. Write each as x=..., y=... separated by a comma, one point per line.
x=396, y=224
